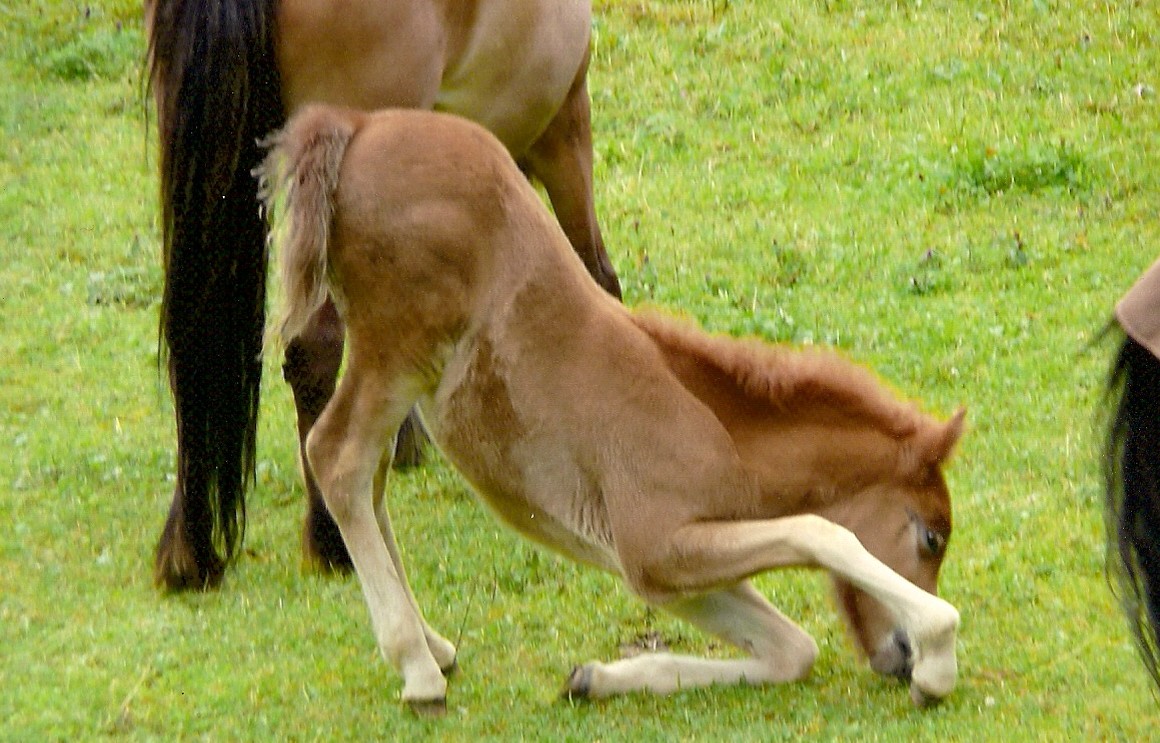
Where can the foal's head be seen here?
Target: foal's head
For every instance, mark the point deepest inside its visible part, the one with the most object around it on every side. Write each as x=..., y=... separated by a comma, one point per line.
x=903, y=517
x=822, y=435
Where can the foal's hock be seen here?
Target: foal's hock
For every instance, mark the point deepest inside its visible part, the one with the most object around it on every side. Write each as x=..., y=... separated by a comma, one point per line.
x=681, y=462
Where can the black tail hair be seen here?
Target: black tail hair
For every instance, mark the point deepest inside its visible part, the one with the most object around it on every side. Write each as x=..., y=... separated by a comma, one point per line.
x=1132, y=490
x=214, y=74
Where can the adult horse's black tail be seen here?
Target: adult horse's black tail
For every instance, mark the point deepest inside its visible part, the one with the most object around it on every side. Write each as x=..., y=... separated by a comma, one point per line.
x=1132, y=482
x=215, y=80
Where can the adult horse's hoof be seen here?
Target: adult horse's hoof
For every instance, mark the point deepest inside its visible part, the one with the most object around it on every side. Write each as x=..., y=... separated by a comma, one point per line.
x=322, y=547
x=579, y=684
x=180, y=566
x=175, y=579
x=428, y=708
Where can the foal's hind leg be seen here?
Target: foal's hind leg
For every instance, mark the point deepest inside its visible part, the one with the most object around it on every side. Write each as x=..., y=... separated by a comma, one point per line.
x=441, y=647
x=311, y=369
x=779, y=650
x=345, y=449
x=562, y=159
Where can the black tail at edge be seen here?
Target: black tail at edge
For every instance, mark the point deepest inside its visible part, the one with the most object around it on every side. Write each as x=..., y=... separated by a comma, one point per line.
x=214, y=74
x=1132, y=486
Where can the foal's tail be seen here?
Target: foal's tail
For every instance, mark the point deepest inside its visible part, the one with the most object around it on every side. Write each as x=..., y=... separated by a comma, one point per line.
x=213, y=72
x=1132, y=482
x=305, y=164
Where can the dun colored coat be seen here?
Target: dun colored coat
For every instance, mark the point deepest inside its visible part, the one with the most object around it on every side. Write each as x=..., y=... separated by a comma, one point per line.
x=681, y=462
x=225, y=74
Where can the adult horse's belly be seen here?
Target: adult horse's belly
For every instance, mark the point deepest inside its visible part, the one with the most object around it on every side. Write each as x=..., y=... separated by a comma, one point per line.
x=506, y=64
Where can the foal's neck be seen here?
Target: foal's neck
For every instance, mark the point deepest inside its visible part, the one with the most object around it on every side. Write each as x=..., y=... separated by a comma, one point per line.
x=807, y=454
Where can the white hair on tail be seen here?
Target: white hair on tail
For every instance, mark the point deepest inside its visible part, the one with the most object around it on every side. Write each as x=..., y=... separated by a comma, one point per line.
x=302, y=168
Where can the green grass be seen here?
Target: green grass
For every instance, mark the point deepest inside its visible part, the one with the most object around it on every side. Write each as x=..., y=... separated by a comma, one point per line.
x=954, y=196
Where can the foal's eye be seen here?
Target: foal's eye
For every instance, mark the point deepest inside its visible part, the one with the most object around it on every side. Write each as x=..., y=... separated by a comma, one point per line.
x=933, y=542
x=929, y=540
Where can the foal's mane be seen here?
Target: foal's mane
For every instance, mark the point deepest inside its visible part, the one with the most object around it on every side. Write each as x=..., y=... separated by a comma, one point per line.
x=784, y=377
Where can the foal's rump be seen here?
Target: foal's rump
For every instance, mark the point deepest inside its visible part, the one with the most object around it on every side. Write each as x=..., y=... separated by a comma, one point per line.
x=381, y=204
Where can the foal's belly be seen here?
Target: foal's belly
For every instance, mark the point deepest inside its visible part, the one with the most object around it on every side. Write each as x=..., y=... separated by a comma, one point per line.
x=524, y=471
x=505, y=64
x=558, y=515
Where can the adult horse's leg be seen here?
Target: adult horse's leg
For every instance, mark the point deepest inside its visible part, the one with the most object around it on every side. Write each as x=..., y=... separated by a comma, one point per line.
x=216, y=85
x=562, y=159
x=779, y=650
x=410, y=443
x=311, y=369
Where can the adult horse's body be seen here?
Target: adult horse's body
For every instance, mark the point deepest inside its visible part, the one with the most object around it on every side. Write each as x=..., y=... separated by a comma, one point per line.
x=224, y=73
x=1132, y=465
x=683, y=463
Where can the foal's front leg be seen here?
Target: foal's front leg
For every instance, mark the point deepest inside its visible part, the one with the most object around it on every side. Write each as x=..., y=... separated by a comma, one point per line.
x=703, y=555
x=344, y=450
x=779, y=650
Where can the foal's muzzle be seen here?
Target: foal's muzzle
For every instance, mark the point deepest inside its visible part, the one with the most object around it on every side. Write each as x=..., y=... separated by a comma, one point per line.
x=895, y=658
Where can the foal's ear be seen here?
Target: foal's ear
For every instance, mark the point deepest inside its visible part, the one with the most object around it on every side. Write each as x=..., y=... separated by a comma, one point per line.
x=943, y=438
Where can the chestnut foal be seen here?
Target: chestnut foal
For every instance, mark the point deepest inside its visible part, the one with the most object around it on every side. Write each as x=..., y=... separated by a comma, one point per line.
x=681, y=462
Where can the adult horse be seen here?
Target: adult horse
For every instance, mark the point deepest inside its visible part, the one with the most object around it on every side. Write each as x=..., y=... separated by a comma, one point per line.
x=1132, y=465
x=225, y=73
x=683, y=463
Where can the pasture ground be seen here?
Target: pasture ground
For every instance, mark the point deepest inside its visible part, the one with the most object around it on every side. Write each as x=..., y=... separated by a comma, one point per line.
x=953, y=196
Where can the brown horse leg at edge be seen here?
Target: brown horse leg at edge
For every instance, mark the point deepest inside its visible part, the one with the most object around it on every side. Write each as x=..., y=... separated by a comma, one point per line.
x=226, y=74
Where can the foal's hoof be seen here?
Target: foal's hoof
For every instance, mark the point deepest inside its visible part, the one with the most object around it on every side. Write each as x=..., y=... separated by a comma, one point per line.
x=579, y=684
x=921, y=699
x=428, y=708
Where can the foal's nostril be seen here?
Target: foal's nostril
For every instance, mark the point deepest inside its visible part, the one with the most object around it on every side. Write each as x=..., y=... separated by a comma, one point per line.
x=903, y=643
x=906, y=651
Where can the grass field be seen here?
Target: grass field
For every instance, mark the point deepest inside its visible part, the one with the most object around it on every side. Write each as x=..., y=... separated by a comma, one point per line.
x=954, y=196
